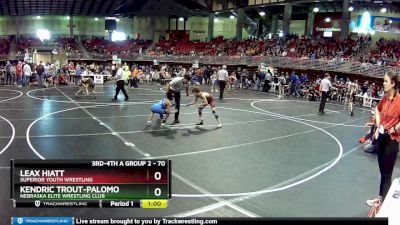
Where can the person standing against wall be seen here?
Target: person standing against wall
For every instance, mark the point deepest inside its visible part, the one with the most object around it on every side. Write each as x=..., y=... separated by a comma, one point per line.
x=18, y=73
x=8, y=73
x=222, y=78
x=40, y=72
x=324, y=89
x=27, y=72
x=387, y=115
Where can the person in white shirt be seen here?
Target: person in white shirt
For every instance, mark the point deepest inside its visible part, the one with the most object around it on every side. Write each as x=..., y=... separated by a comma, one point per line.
x=174, y=88
x=222, y=77
x=324, y=90
x=214, y=82
x=27, y=72
x=281, y=86
x=120, y=84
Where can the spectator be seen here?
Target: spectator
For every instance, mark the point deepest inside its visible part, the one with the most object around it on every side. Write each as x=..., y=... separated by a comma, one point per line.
x=8, y=73
x=27, y=72
x=387, y=133
x=40, y=72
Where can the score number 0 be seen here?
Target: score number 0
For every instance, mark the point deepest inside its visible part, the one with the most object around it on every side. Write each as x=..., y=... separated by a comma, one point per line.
x=157, y=176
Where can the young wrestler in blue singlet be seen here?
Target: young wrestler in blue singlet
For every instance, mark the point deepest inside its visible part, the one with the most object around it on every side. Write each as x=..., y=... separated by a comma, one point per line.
x=163, y=108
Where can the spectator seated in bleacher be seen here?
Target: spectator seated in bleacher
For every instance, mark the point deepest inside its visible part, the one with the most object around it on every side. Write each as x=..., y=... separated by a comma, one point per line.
x=386, y=52
x=294, y=46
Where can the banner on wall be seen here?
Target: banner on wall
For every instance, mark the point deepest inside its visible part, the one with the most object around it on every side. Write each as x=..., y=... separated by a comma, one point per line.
x=381, y=23
x=386, y=24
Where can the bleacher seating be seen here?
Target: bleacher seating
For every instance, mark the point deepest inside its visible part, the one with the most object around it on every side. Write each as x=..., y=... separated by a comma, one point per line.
x=127, y=47
x=4, y=46
x=26, y=43
x=386, y=52
x=294, y=46
x=69, y=44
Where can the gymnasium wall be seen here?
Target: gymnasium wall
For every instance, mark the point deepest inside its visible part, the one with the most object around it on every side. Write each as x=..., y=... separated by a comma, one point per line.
x=140, y=27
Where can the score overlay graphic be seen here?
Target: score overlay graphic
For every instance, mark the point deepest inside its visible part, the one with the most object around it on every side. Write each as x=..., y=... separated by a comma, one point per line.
x=91, y=183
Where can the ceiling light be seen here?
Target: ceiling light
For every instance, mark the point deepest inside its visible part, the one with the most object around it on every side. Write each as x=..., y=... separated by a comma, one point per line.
x=327, y=19
x=181, y=19
x=97, y=19
x=216, y=20
x=38, y=17
x=68, y=18
x=383, y=10
x=351, y=9
x=117, y=19
x=262, y=13
x=316, y=9
x=231, y=17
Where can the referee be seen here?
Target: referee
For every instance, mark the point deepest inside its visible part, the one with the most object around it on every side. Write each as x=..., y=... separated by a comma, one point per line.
x=120, y=84
x=222, y=77
x=324, y=88
x=174, y=87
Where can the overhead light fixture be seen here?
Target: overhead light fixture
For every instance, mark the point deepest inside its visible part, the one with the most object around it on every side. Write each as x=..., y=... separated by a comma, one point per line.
x=181, y=19
x=316, y=9
x=262, y=13
x=351, y=9
x=38, y=17
x=117, y=19
x=118, y=36
x=43, y=34
x=216, y=20
x=97, y=19
x=383, y=10
x=68, y=18
x=327, y=19
x=390, y=21
x=231, y=17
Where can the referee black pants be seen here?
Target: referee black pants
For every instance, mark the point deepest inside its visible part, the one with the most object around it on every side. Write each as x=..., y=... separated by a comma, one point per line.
x=387, y=154
x=120, y=87
x=222, y=85
x=177, y=97
x=323, y=101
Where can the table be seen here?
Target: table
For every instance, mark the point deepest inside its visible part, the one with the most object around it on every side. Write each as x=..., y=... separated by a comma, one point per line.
x=97, y=78
x=391, y=206
x=367, y=101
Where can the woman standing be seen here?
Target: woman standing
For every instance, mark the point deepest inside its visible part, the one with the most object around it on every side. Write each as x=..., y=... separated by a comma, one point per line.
x=387, y=132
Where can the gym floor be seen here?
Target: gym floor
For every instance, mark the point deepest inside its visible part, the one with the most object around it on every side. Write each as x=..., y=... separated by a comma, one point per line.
x=272, y=158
